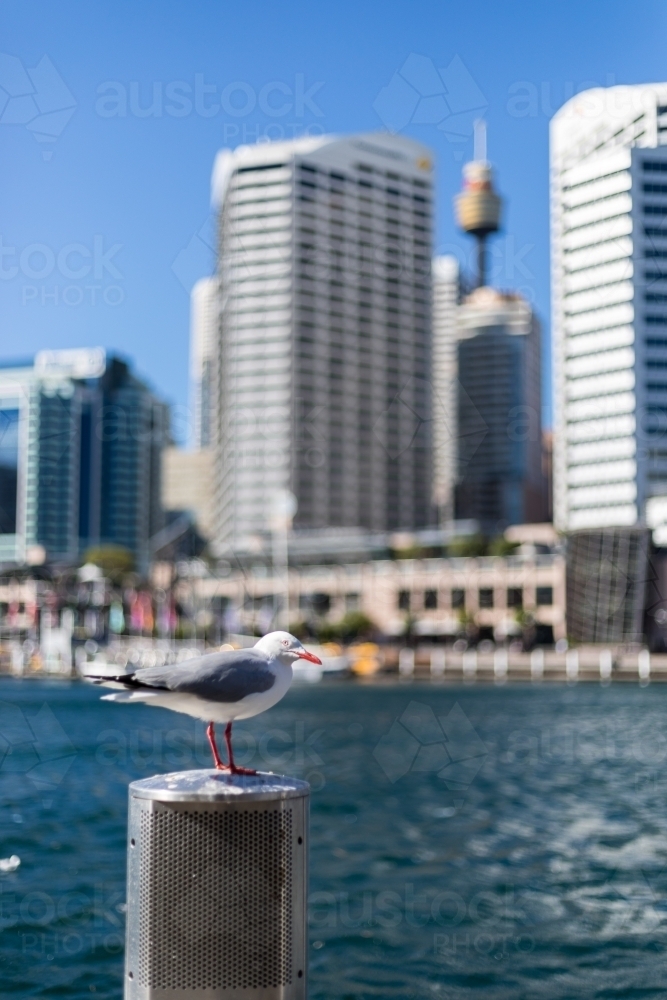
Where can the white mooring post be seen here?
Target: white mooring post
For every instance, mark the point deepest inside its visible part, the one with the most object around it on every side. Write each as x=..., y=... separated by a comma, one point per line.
x=572, y=665
x=537, y=664
x=438, y=662
x=644, y=666
x=406, y=662
x=605, y=665
x=217, y=887
x=500, y=665
x=469, y=663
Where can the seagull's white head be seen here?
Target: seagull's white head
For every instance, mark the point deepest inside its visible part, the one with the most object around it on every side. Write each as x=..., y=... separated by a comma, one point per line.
x=285, y=647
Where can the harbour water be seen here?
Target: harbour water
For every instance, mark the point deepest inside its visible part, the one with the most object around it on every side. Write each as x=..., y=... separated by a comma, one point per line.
x=466, y=841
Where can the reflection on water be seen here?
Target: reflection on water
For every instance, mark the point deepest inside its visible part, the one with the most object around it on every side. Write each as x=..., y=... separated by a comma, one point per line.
x=465, y=842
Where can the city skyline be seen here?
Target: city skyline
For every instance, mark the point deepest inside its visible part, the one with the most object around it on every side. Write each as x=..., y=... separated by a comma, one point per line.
x=129, y=185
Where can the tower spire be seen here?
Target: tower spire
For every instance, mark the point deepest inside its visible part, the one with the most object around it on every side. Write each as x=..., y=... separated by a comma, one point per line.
x=479, y=141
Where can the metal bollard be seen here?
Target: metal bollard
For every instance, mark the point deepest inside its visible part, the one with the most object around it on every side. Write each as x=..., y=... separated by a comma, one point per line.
x=217, y=887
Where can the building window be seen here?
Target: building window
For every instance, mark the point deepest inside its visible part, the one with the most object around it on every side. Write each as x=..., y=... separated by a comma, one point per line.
x=485, y=597
x=544, y=595
x=404, y=600
x=458, y=598
x=320, y=604
x=430, y=600
x=514, y=597
x=9, y=457
x=352, y=602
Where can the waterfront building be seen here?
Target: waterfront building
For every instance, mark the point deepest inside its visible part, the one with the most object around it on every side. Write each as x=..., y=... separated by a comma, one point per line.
x=80, y=454
x=323, y=357
x=440, y=597
x=609, y=293
x=500, y=472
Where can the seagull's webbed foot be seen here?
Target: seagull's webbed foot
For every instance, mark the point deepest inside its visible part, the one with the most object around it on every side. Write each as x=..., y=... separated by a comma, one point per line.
x=234, y=768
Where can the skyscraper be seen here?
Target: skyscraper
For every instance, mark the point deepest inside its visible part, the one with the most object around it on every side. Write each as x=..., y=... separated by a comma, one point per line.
x=203, y=335
x=323, y=357
x=446, y=294
x=81, y=439
x=500, y=477
x=609, y=283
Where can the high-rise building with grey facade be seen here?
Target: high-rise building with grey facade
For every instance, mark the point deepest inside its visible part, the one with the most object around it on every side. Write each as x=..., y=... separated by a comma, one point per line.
x=499, y=476
x=322, y=374
x=609, y=285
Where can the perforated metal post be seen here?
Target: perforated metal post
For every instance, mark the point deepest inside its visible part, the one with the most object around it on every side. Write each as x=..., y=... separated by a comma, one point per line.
x=217, y=884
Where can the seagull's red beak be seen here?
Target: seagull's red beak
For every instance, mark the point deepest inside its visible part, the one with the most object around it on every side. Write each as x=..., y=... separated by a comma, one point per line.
x=310, y=657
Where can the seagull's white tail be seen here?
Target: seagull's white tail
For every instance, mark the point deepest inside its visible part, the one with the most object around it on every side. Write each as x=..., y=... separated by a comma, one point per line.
x=131, y=696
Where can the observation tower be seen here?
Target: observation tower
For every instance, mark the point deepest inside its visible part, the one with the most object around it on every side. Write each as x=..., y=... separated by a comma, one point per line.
x=478, y=206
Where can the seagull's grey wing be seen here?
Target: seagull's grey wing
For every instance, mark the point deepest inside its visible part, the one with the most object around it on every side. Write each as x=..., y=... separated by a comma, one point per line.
x=225, y=677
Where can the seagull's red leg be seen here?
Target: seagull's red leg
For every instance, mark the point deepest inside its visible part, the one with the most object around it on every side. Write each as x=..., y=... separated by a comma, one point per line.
x=210, y=732
x=232, y=766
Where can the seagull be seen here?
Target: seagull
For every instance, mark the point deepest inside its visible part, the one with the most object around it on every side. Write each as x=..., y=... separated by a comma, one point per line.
x=218, y=687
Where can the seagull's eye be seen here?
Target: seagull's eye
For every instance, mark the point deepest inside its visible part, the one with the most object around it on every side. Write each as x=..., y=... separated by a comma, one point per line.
x=285, y=642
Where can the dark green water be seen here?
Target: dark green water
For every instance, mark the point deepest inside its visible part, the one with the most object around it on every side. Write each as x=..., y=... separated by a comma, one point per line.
x=515, y=849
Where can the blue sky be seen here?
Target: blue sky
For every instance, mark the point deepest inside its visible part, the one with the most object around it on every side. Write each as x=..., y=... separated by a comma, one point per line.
x=106, y=145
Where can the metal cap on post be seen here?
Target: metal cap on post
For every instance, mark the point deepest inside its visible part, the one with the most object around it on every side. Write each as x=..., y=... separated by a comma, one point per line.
x=217, y=884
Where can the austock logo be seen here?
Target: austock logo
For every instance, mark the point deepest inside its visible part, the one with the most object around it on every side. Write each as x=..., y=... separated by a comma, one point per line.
x=36, y=746
x=420, y=94
x=37, y=98
x=420, y=742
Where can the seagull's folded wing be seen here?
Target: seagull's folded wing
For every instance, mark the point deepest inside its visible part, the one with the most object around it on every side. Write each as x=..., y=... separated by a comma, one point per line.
x=223, y=677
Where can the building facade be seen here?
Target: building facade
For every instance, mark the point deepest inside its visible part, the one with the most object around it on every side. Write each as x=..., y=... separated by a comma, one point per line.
x=447, y=287
x=187, y=485
x=203, y=336
x=609, y=289
x=322, y=382
x=439, y=596
x=80, y=457
x=500, y=474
